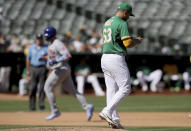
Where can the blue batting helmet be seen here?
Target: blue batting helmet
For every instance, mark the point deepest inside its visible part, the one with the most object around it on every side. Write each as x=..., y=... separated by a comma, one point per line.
x=49, y=32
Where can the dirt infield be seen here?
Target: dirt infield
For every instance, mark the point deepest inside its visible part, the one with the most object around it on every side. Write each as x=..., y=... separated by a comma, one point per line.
x=63, y=129
x=76, y=121
x=79, y=119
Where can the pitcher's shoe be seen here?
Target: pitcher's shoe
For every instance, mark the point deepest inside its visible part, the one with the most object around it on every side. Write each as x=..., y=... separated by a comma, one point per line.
x=53, y=115
x=107, y=117
x=89, y=111
x=117, y=126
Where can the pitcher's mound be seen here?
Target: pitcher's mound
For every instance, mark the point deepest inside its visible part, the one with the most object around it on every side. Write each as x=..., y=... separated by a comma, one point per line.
x=63, y=129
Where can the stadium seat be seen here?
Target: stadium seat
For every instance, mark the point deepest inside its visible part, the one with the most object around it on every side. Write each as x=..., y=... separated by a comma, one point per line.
x=71, y=1
x=163, y=10
x=186, y=39
x=5, y=27
x=142, y=26
x=26, y=10
x=132, y=25
x=99, y=27
x=112, y=7
x=166, y=28
x=79, y=21
x=91, y=5
x=65, y=26
x=187, y=2
x=103, y=6
x=70, y=5
x=81, y=3
x=179, y=29
x=90, y=24
x=1, y=2
x=150, y=11
x=59, y=14
x=159, y=21
x=153, y=29
x=55, y=23
x=175, y=10
x=29, y=27
x=6, y=6
x=37, y=10
x=13, y=12
x=185, y=13
x=48, y=12
x=139, y=9
x=40, y=26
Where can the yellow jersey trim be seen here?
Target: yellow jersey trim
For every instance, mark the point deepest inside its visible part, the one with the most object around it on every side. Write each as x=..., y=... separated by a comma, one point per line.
x=127, y=42
x=125, y=37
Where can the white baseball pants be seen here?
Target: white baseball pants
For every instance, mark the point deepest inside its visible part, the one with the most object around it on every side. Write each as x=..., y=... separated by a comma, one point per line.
x=90, y=79
x=5, y=78
x=154, y=77
x=186, y=78
x=23, y=83
x=62, y=75
x=117, y=79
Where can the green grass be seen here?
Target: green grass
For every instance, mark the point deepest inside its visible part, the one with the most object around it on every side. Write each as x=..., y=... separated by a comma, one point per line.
x=133, y=103
x=127, y=128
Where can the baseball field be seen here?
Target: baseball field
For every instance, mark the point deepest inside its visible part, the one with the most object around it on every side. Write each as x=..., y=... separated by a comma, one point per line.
x=137, y=112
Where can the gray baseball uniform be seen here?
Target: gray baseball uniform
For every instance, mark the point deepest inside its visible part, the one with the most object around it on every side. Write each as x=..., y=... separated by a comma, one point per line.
x=61, y=72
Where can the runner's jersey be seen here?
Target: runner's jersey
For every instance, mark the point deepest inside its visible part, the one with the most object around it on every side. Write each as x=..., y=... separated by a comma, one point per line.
x=55, y=51
x=114, y=31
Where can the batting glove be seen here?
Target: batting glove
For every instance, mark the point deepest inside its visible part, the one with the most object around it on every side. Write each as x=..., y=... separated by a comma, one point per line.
x=52, y=62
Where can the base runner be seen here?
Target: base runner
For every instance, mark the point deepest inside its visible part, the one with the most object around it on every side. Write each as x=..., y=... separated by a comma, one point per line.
x=58, y=57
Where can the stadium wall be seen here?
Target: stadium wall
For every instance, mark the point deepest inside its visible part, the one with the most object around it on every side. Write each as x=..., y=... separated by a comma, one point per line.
x=17, y=63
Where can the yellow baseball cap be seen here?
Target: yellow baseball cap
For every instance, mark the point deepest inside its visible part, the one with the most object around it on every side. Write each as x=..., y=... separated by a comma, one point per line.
x=126, y=6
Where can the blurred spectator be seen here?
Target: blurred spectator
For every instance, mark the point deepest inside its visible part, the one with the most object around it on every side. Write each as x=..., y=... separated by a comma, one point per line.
x=92, y=42
x=78, y=45
x=99, y=45
x=83, y=74
x=68, y=41
x=145, y=75
x=26, y=42
x=4, y=71
x=36, y=68
x=15, y=44
x=2, y=18
x=4, y=44
x=25, y=80
x=23, y=83
x=5, y=78
x=83, y=33
x=177, y=49
x=174, y=48
x=166, y=50
x=172, y=77
x=187, y=78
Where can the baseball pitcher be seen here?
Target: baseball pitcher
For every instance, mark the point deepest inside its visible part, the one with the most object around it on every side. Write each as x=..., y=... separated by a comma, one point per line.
x=116, y=40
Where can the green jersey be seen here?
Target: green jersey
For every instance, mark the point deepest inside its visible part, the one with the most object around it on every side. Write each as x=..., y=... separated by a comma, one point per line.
x=114, y=31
